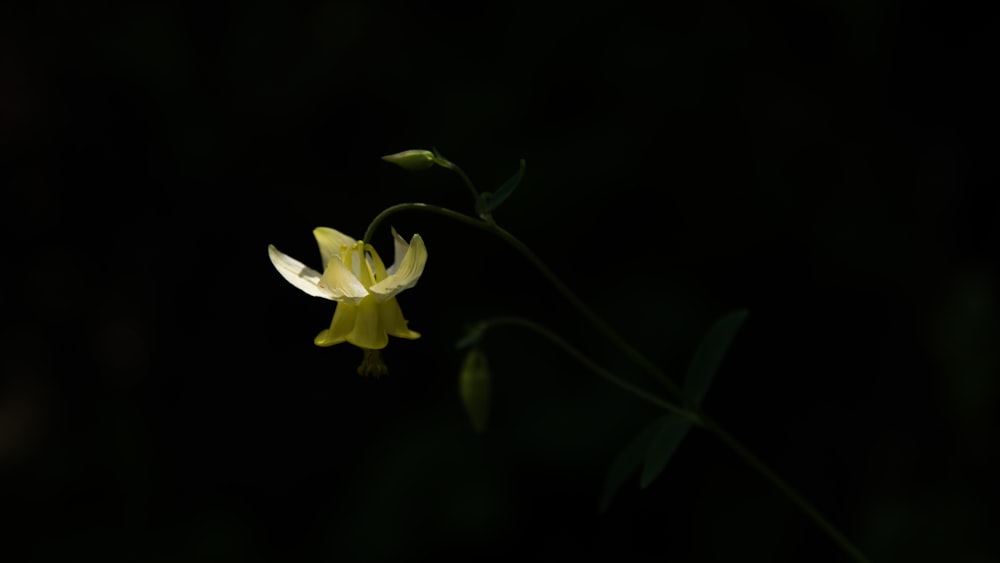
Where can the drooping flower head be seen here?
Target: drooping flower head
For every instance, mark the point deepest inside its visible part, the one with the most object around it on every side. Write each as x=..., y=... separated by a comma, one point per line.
x=365, y=290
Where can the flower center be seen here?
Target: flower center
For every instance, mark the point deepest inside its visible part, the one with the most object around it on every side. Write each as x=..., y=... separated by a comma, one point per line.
x=364, y=262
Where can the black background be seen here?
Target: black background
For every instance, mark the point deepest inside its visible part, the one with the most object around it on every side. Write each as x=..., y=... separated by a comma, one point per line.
x=825, y=165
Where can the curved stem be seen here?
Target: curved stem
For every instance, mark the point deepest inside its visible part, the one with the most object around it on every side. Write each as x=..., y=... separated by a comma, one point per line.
x=784, y=487
x=445, y=163
x=688, y=409
x=437, y=210
x=510, y=239
x=590, y=364
x=610, y=333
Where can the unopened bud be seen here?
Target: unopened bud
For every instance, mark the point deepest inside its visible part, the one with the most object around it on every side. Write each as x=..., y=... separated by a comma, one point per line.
x=474, y=388
x=412, y=160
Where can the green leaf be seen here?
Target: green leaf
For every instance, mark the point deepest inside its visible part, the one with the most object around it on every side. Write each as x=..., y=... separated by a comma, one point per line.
x=493, y=200
x=670, y=431
x=627, y=462
x=710, y=353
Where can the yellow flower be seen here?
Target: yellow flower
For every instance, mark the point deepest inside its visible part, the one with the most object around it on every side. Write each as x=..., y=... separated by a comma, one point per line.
x=365, y=290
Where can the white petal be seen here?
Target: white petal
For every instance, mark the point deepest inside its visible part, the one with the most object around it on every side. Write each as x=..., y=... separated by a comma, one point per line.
x=330, y=241
x=341, y=283
x=406, y=275
x=400, y=252
x=298, y=274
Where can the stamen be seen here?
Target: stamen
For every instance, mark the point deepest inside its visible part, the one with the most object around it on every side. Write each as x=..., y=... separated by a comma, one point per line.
x=372, y=364
x=347, y=255
x=380, y=273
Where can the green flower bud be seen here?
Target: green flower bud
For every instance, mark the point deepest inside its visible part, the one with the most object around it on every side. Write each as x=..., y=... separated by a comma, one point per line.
x=412, y=159
x=474, y=387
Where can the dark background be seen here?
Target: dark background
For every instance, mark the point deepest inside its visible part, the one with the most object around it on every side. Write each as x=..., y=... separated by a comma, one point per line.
x=825, y=165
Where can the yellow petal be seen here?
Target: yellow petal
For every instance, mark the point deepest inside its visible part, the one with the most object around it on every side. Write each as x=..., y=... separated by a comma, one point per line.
x=368, y=331
x=393, y=322
x=341, y=283
x=340, y=327
x=298, y=274
x=399, y=251
x=407, y=274
x=330, y=241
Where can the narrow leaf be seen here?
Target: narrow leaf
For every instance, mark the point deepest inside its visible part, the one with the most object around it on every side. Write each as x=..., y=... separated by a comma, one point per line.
x=710, y=353
x=493, y=200
x=627, y=462
x=662, y=445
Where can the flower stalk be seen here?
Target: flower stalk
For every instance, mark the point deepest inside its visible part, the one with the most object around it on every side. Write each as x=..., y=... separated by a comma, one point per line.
x=683, y=407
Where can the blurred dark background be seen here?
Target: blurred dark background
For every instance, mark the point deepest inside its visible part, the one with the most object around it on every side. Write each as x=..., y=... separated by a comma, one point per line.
x=826, y=165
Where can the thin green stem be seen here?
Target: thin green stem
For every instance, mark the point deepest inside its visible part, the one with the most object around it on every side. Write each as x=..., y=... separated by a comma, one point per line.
x=687, y=409
x=510, y=239
x=434, y=209
x=586, y=361
x=785, y=488
x=445, y=163
x=587, y=312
